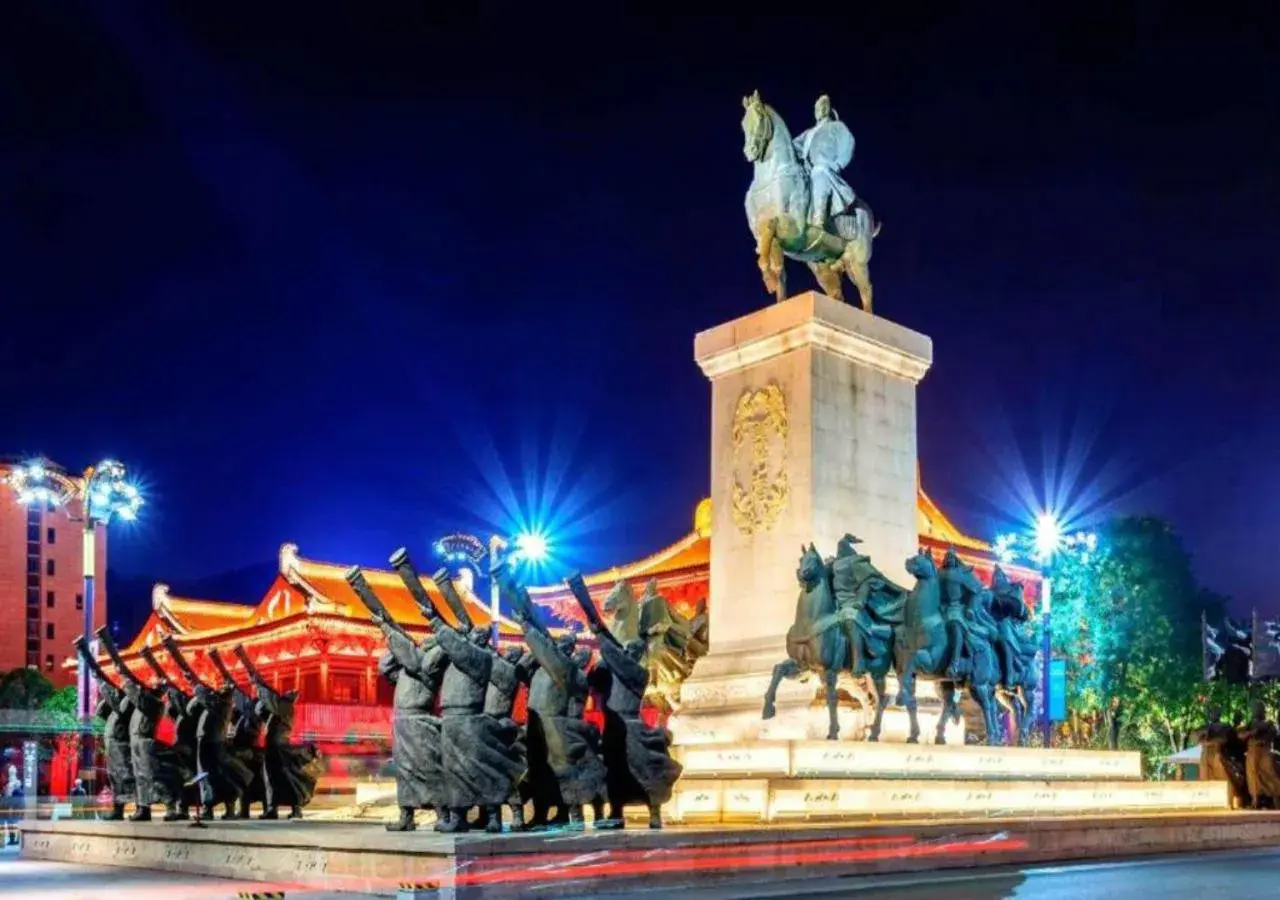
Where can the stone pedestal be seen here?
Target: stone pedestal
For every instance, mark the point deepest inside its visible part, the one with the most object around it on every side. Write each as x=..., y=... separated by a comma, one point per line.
x=813, y=434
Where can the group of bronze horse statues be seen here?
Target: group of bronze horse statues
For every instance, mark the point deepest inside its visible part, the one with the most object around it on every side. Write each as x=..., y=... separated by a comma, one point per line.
x=949, y=628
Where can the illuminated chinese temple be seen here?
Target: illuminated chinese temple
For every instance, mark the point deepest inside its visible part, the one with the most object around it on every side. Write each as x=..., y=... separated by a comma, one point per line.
x=310, y=633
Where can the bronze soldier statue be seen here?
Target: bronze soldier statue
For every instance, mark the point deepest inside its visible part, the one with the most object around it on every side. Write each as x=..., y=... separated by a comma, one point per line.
x=115, y=710
x=478, y=761
x=415, y=670
x=289, y=771
x=505, y=678
x=246, y=728
x=1222, y=758
x=155, y=778
x=565, y=768
x=1260, y=762
x=184, y=739
x=637, y=757
x=225, y=777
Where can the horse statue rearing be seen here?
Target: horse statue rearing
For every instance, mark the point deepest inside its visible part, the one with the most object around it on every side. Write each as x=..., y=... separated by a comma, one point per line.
x=816, y=642
x=833, y=239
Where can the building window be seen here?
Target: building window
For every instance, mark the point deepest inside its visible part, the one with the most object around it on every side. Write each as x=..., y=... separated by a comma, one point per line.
x=48, y=631
x=51, y=536
x=48, y=663
x=79, y=601
x=344, y=688
x=49, y=507
x=48, y=567
x=33, y=597
x=33, y=633
x=48, y=599
x=33, y=660
x=33, y=565
x=33, y=534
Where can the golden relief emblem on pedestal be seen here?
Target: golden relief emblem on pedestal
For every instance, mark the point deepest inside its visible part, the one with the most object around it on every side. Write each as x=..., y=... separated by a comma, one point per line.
x=760, y=430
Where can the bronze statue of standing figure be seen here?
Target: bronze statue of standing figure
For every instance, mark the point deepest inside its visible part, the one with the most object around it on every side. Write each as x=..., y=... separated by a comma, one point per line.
x=115, y=710
x=416, y=671
x=1222, y=758
x=1261, y=777
x=637, y=757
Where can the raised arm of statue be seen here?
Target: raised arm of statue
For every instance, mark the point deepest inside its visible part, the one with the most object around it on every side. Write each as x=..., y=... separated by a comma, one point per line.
x=549, y=657
x=474, y=662
x=526, y=667
x=633, y=675
x=389, y=667
x=407, y=654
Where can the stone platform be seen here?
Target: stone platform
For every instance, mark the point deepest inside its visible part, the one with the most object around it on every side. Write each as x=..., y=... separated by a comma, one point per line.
x=296, y=856
x=791, y=781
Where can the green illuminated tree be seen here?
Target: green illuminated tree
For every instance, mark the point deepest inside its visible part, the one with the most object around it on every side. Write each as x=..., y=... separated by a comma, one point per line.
x=1126, y=618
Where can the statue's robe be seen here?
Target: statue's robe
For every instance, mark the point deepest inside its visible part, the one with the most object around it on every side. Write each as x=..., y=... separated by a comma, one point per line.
x=227, y=778
x=637, y=757
x=156, y=775
x=289, y=771
x=1260, y=764
x=477, y=751
x=872, y=604
x=116, y=711
x=565, y=768
x=499, y=704
x=185, y=740
x=415, y=729
x=245, y=730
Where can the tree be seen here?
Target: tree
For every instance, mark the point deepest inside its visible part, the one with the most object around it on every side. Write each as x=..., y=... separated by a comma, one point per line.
x=1125, y=617
x=24, y=689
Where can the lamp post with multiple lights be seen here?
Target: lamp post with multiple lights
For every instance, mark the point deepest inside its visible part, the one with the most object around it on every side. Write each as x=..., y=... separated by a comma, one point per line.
x=103, y=493
x=1046, y=540
x=528, y=546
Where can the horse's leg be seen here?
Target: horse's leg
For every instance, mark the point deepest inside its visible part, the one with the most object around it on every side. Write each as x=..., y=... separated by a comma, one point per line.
x=854, y=263
x=877, y=678
x=777, y=264
x=786, y=669
x=828, y=278
x=833, y=703
x=1029, y=717
x=767, y=230
x=913, y=737
x=947, y=691
x=986, y=700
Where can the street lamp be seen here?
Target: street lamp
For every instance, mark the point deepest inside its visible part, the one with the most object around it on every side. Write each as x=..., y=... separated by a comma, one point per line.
x=528, y=546
x=1047, y=539
x=104, y=493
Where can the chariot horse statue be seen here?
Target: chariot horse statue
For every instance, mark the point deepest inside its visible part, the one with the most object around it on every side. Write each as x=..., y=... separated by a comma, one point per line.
x=799, y=206
x=672, y=642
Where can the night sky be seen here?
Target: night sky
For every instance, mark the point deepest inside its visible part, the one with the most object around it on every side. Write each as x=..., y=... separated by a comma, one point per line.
x=355, y=275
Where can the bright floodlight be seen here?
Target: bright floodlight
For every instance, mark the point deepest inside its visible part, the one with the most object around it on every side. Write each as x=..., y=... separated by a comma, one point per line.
x=109, y=494
x=1048, y=536
x=531, y=546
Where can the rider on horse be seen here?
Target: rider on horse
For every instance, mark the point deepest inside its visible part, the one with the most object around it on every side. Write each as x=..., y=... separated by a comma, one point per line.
x=951, y=575
x=1016, y=651
x=867, y=602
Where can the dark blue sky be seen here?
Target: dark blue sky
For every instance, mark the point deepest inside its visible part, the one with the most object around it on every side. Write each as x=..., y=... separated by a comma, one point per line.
x=323, y=274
